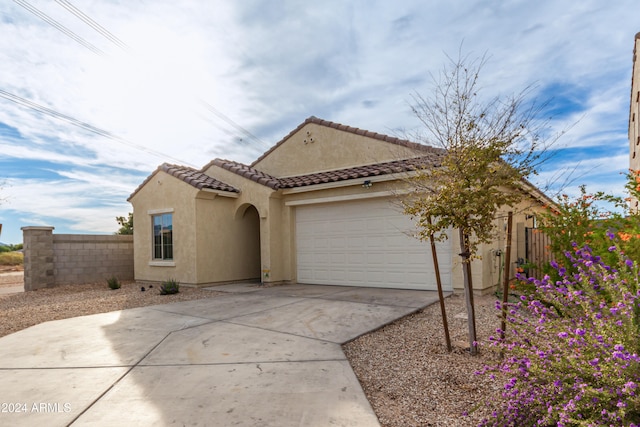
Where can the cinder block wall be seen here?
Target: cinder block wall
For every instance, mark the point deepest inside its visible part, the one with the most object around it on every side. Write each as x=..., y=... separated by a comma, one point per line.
x=57, y=259
x=80, y=258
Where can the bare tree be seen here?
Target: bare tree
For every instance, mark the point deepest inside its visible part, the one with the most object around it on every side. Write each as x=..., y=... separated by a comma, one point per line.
x=490, y=147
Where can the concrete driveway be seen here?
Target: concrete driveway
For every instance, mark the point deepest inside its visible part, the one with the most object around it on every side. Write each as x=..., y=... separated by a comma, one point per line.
x=252, y=357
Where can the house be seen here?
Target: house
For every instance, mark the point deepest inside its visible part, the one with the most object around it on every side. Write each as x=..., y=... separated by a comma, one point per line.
x=319, y=207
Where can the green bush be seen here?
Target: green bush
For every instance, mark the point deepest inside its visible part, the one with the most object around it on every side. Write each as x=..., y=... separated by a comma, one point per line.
x=581, y=221
x=11, y=258
x=10, y=247
x=169, y=287
x=113, y=283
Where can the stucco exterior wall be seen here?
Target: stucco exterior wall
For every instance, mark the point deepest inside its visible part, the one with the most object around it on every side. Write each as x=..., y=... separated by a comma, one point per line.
x=634, y=112
x=316, y=148
x=164, y=193
x=228, y=241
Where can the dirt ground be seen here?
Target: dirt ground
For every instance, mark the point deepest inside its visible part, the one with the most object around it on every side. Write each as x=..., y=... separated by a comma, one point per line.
x=10, y=278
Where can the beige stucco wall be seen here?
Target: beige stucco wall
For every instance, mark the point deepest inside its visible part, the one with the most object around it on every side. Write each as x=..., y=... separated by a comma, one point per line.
x=331, y=149
x=216, y=238
x=163, y=192
x=273, y=229
x=228, y=240
x=634, y=112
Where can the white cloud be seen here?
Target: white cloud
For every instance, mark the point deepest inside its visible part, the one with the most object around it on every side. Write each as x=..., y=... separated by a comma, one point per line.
x=267, y=66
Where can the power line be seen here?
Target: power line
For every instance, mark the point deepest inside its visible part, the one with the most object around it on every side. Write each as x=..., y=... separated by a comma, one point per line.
x=118, y=42
x=59, y=26
x=92, y=23
x=114, y=39
x=233, y=124
x=83, y=125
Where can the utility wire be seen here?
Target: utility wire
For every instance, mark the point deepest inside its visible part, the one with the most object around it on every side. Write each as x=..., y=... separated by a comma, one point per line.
x=118, y=42
x=92, y=23
x=59, y=27
x=114, y=39
x=233, y=124
x=84, y=125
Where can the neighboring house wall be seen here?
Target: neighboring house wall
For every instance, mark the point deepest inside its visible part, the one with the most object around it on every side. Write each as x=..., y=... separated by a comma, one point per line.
x=57, y=259
x=634, y=113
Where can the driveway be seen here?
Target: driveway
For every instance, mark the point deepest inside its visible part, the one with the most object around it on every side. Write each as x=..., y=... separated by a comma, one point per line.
x=251, y=357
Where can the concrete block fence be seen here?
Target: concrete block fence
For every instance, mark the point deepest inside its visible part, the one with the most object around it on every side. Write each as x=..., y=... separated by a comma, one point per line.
x=57, y=259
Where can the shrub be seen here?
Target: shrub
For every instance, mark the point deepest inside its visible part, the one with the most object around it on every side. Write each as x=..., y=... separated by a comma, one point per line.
x=571, y=347
x=169, y=287
x=113, y=283
x=583, y=221
x=11, y=258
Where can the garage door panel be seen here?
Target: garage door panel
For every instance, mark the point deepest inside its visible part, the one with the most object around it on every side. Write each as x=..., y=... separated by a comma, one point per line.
x=364, y=243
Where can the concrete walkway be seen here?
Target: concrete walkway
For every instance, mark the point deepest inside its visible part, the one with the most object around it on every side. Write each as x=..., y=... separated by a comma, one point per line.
x=252, y=357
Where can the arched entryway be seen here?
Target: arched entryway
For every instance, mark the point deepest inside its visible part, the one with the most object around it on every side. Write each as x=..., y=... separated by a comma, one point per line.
x=248, y=234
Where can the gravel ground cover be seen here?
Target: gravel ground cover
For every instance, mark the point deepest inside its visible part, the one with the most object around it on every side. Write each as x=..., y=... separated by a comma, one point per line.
x=405, y=370
x=412, y=381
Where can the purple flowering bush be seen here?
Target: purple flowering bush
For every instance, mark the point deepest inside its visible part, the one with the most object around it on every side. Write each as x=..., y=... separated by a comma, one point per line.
x=571, y=348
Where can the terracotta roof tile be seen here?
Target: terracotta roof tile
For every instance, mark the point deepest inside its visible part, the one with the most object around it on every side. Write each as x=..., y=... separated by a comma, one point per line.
x=190, y=176
x=196, y=178
x=376, y=169
x=357, y=131
x=247, y=172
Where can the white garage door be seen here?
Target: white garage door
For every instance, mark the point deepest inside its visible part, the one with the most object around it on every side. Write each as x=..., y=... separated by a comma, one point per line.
x=365, y=243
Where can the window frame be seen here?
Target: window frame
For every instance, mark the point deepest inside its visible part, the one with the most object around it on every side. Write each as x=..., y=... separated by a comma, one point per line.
x=162, y=241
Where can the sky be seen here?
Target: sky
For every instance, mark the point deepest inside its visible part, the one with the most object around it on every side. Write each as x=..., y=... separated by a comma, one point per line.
x=96, y=94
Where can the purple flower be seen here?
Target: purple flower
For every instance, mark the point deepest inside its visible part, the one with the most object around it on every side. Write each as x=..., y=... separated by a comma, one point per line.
x=580, y=332
x=612, y=248
x=510, y=384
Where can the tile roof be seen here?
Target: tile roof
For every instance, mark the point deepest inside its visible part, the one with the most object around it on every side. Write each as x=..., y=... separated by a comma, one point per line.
x=366, y=171
x=247, y=172
x=376, y=169
x=196, y=178
x=345, y=128
x=191, y=176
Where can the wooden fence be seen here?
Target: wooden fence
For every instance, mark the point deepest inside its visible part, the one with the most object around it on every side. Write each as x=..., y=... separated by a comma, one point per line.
x=537, y=251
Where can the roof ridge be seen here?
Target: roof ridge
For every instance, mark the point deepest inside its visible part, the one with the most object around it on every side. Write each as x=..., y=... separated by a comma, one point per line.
x=194, y=177
x=345, y=128
x=247, y=171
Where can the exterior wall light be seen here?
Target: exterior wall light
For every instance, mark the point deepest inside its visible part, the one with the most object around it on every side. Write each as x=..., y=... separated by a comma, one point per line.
x=367, y=184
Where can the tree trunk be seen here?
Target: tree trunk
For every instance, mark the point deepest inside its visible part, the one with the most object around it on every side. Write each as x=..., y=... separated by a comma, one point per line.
x=436, y=267
x=505, y=285
x=468, y=292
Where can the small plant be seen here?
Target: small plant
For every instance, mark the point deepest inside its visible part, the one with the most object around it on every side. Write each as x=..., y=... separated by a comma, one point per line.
x=169, y=287
x=113, y=283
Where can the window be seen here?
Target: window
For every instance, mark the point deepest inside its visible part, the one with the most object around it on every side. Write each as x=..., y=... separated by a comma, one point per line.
x=163, y=236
